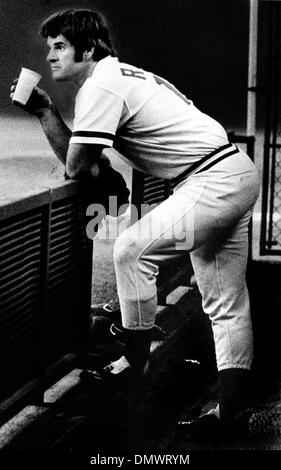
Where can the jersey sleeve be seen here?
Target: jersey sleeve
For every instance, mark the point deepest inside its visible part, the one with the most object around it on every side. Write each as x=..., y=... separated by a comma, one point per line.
x=97, y=116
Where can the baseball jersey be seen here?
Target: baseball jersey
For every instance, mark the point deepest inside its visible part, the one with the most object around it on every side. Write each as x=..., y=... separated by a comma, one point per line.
x=155, y=127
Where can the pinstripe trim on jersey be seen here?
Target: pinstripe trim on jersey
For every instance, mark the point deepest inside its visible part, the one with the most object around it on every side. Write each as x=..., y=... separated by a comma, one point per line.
x=94, y=134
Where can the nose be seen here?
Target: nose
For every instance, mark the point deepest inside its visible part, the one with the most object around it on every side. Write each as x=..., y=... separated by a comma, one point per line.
x=52, y=56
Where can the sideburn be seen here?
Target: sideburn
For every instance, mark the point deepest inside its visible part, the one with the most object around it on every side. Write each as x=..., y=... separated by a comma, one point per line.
x=78, y=56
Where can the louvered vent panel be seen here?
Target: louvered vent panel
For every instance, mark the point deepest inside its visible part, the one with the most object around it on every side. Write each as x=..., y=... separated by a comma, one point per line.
x=154, y=190
x=66, y=278
x=20, y=256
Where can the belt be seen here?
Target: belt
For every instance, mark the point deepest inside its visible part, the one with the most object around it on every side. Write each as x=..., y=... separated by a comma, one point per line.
x=213, y=158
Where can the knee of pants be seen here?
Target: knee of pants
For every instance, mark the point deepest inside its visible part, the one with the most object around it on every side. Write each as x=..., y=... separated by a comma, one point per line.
x=126, y=250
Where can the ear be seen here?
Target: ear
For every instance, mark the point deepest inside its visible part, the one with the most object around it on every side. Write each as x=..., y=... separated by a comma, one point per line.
x=88, y=55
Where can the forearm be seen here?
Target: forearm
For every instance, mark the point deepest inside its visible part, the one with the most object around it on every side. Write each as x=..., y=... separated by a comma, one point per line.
x=56, y=131
x=84, y=160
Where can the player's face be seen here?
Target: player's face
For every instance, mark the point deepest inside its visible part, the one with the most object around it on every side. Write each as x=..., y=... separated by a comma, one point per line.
x=61, y=59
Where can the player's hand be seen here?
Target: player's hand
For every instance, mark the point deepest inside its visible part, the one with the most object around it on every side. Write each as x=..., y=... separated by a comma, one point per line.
x=38, y=102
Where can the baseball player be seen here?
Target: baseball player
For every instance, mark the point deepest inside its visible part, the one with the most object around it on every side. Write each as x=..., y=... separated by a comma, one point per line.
x=159, y=131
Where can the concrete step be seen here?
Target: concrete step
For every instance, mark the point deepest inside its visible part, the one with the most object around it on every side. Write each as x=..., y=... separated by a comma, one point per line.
x=72, y=404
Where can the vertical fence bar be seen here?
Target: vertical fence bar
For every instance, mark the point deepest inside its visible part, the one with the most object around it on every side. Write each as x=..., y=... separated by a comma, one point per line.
x=272, y=142
x=272, y=119
x=252, y=68
x=275, y=102
x=267, y=135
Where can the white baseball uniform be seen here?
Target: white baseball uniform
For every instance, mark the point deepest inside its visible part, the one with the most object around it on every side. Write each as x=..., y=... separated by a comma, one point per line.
x=162, y=133
x=155, y=127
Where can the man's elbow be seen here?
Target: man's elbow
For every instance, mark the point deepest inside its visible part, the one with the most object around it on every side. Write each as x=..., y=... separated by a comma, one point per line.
x=72, y=173
x=78, y=172
x=75, y=170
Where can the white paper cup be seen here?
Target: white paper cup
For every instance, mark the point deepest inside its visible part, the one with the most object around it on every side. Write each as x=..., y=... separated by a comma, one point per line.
x=27, y=81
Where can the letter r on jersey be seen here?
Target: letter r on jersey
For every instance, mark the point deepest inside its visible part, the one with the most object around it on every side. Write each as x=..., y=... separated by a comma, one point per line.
x=133, y=73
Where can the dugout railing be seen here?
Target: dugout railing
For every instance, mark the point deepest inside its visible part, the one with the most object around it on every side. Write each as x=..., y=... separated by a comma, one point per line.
x=45, y=293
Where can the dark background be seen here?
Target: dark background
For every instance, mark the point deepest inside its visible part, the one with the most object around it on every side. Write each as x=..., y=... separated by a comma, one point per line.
x=199, y=45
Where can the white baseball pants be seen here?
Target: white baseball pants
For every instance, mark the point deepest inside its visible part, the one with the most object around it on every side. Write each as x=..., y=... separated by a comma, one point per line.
x=208, y=215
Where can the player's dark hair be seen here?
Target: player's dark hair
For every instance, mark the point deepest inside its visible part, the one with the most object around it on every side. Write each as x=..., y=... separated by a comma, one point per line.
x=83, y=29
